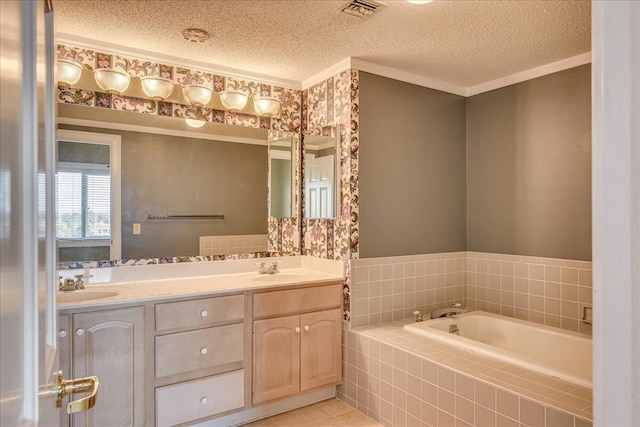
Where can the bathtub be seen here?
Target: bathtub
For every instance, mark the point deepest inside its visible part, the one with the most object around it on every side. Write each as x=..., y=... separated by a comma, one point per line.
x=551, y=351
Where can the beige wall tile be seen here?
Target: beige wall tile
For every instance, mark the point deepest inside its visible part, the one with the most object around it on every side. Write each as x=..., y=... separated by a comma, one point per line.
x=484, y=417
x=507, y=404
x=531, y=414
x=558, y=419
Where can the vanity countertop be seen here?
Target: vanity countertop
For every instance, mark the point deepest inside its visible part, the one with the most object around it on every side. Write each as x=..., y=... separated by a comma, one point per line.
x=104, y=295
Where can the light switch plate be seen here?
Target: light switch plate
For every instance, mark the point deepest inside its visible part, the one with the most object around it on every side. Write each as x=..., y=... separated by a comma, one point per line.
x=136, y=229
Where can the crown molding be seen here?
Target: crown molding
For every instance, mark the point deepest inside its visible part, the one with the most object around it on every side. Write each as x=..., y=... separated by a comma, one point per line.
x=345, y=64
x=405, y=76
x=175, y=61
x=554, y=67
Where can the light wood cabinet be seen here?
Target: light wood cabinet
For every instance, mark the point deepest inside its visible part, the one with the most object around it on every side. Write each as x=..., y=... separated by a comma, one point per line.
x=300, y=352
x=199, y=359
x=110, y=345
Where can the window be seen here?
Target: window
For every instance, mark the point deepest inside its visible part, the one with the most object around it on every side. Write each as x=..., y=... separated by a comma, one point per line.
x=83, y=192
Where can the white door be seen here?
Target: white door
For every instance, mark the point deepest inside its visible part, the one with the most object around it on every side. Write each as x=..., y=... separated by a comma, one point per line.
x=27, y=256
x=319, y=186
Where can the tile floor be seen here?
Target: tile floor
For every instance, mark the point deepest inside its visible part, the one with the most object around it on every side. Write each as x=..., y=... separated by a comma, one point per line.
x=328, y=413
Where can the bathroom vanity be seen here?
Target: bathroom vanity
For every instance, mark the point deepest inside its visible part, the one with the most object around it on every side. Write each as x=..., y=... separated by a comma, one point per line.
x=229, y=348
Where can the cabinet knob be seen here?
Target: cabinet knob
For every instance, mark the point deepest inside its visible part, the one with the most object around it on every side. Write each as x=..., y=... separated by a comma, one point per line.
x=306, y=327
x=204, y=400
x=204, y=313
x=297, y=329
x=79, y=332
x=62, y=333
x=203, y=350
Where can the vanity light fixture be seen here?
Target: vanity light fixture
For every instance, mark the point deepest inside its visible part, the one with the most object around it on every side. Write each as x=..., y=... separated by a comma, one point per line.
x=419, y=1
x=266, y=106
x=233, y=100
x=195, y=123
x=197, y=95
x=68, y=73
x=156, y=88
x=111, y=80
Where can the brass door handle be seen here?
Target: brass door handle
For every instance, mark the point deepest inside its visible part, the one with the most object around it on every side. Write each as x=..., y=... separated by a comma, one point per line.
x=75, y=386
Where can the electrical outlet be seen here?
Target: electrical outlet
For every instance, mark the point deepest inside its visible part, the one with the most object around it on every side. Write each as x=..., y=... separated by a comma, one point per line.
x=136, y=229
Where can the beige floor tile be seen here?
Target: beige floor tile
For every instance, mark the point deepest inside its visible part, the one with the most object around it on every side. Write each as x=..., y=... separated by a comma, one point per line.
x=328, y=413
x=353, y=417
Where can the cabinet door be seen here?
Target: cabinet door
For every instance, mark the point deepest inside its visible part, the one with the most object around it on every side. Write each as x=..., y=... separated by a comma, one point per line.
x=64, y=350
x=276, y=360
x=320, y=349
x=110, y=345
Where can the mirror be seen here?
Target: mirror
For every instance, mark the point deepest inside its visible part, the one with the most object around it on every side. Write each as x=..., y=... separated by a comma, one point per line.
x=184, y=192
x=282, y=172
x=321, y=173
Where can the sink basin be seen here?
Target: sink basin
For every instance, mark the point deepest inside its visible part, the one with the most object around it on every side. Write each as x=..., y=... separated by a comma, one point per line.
x=84, y=295
x=278, y=277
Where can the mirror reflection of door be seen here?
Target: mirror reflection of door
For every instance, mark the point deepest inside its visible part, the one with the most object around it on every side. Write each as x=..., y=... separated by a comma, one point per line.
x=320, y=174
x=88, y=196
x=319, y=186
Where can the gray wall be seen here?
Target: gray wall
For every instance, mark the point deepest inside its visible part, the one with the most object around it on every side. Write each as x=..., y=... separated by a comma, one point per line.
x=529, y=167
x=412, y=169
x=172, y=175
x=281, y=188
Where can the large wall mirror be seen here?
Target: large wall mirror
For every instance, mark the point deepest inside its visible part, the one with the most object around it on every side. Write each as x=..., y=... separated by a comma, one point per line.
x=322, y=168
x=183, y=191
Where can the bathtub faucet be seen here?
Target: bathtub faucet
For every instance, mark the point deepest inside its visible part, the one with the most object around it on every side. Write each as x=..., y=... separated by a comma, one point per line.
x=448, y=311
x=418, y=315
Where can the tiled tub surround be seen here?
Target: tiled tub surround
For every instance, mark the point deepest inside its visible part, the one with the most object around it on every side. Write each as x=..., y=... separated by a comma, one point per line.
x=542, y=290
x=549, y=291
x=391, y=288
x=220, y=245
x=402, y=379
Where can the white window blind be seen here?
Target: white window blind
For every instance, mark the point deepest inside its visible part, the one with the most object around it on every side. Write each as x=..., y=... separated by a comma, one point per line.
x=83, y=196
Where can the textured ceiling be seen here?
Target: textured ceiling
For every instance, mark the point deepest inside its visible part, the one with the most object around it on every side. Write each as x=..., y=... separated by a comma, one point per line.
x=464, y=43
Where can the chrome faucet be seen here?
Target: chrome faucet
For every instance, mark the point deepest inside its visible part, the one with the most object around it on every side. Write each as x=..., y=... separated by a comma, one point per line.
x=271, y=269
x=418, y=315
x=68, y=285
x=455, y=308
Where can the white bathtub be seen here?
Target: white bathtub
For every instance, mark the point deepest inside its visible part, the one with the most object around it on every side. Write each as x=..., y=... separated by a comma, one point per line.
x=551, y=351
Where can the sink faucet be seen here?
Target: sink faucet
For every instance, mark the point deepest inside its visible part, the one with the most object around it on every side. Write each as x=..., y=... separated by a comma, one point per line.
x=455, y=308
x=68, y=285
x=271, y=269
x=418, y=315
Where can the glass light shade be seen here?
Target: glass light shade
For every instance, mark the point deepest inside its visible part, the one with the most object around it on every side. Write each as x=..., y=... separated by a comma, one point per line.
x=197, y=95
x=67, y=72
x=111, y=80
x=266, y=106
x=156, y=88
x=195, y=123
x=233, y=100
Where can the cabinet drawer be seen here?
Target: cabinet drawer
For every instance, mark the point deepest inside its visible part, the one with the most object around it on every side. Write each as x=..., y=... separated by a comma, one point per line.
x=199, y=313
x=194, y=350
x=184, y=402
x=282, y=303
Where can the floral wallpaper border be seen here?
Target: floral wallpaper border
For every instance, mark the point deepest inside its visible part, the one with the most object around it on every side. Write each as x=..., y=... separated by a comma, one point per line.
x=167, y=260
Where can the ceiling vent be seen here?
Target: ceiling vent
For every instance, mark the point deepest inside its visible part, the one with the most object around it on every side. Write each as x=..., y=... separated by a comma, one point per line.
x=361, y=9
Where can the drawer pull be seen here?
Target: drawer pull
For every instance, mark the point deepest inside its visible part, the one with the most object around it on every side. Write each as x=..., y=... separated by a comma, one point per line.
x=79, y=332
x=306, y=328
x=297, y=329
x=203, y=313
x=204, y=400
x=62, y=333
x=203, y=350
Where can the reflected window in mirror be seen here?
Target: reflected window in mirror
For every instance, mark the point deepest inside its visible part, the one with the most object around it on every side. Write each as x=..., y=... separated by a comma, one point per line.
x=321, y=173
x=88, y=196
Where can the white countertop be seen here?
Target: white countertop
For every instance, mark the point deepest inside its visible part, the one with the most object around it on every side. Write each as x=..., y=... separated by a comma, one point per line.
x=194, y=281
